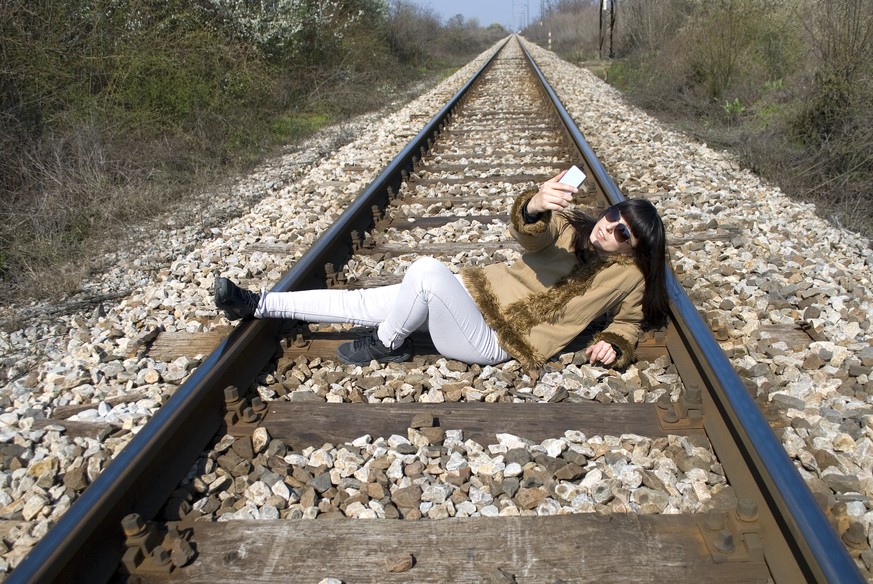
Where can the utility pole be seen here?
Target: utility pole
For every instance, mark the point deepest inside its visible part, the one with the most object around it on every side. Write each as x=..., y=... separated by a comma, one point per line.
x=607, y=6
x=549, y=14
x=612, y=7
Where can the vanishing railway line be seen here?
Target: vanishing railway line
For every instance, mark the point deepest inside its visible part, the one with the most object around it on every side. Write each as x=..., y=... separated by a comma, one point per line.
x=434, y=440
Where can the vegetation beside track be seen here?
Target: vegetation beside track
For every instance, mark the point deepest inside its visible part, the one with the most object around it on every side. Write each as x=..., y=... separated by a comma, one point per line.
x=787, y=85
x=112, y=111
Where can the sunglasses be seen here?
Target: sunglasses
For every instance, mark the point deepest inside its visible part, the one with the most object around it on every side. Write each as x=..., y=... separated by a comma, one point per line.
x=621, y=232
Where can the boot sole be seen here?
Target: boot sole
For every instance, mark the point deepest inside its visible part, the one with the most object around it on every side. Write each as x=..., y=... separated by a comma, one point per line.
x=400, y=359
x=387, y=359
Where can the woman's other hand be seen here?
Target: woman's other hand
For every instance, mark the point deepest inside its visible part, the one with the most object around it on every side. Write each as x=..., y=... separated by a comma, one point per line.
x=552, y=196
x=601, y=351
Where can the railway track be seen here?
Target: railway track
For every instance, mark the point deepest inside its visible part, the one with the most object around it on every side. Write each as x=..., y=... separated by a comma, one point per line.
x=466, y=473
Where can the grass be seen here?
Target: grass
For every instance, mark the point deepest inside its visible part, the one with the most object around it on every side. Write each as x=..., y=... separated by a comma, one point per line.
x=91, y=214
x=109, y=120
x=291, y=127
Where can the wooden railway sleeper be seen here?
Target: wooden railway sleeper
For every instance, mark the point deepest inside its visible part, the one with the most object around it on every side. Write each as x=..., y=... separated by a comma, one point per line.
x=152, y=550
x=242, y=415
x=686, y=413
x=733, y=537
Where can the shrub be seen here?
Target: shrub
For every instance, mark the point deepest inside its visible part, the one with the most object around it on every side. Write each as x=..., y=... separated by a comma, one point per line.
x=786, y=84
x=113, y=110
x=733, y=109
x=409, y=32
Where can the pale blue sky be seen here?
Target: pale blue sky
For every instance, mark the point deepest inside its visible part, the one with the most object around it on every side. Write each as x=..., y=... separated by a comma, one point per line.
x=512, y=14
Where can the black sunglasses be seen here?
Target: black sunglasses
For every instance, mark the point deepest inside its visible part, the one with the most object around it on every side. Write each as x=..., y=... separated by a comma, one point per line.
x=621, y=232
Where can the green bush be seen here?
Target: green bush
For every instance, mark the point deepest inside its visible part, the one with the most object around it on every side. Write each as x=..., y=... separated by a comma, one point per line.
x=113, y=110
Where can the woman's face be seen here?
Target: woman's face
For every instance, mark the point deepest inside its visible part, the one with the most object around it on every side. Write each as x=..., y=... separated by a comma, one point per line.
x=612, y=235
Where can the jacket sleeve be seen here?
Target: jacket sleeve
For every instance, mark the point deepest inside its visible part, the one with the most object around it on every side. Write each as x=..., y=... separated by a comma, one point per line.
x=624, y=329
x=537, y=235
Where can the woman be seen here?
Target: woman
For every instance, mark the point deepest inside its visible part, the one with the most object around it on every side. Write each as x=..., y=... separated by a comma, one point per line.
x=575, y=268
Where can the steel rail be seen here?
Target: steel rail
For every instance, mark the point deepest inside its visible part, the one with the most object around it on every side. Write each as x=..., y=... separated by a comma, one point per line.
x=335, y=244
x=87, y=543
x=820, y=553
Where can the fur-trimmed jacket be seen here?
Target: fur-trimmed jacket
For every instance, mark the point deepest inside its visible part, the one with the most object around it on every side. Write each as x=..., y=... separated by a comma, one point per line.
x=541, y=302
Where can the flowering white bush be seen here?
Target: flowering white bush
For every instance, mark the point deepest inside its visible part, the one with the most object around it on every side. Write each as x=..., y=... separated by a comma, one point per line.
x=288, y=26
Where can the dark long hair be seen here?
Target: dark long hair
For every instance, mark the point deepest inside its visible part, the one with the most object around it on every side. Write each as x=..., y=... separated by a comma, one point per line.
x=649, y=254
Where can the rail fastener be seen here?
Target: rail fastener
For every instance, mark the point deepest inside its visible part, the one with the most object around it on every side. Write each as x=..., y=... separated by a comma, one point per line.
x=733, y=537
x=152, y=549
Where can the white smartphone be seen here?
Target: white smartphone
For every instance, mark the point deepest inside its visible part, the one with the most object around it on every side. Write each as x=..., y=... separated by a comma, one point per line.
x=573, y=177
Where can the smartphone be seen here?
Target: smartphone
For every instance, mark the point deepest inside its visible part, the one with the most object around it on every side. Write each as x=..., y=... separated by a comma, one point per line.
x=573, y=177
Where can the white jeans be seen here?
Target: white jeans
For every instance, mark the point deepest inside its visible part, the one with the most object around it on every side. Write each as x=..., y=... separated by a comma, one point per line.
x=430, y=296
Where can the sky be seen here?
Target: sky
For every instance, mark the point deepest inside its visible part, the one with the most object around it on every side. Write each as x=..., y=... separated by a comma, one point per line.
x=512, y=14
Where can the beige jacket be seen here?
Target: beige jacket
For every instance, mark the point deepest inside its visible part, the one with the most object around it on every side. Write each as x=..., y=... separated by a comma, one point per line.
x=543, y=301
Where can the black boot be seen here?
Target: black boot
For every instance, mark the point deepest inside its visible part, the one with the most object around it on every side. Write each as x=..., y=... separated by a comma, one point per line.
x=368, y=347
x=236, y=302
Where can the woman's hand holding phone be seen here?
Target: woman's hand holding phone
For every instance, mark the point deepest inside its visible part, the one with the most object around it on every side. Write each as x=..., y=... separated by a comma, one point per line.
x=556, y=193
